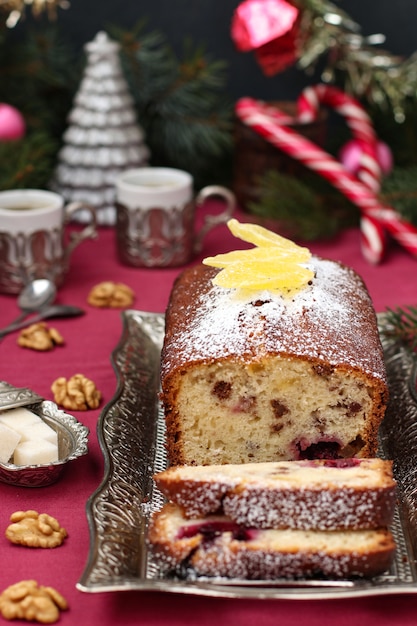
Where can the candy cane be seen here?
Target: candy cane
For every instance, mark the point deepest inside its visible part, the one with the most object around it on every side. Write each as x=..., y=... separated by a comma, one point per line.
x=357, y=120
x=373, y=240
x=377, y=217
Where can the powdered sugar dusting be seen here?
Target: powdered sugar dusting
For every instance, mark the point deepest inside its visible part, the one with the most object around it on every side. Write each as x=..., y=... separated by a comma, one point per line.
x=331, y=320
x=269, y=554
x=293, y=494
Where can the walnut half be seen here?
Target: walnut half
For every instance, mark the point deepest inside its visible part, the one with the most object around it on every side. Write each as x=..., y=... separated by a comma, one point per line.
x=32, y=602
x=109, y=294
x=78, y=393
x=40, y=337
x=34, y=530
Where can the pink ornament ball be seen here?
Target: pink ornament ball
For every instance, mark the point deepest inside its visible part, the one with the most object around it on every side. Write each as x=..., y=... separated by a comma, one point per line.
x=351, y=153
x=12, y=124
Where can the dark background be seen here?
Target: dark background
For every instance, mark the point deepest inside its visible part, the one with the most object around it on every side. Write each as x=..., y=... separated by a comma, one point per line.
x=208, y=22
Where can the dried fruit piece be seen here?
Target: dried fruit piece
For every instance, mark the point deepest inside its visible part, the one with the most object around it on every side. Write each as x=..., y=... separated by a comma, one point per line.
x=277, y=264
x=262, y=237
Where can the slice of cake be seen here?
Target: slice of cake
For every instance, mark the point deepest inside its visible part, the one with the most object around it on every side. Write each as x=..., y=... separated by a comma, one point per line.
x=270, y=520
x=215, y=546
x=321, y=494
x=257, y=374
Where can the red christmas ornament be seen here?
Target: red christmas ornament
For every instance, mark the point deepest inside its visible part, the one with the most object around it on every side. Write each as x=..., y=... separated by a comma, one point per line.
x=12, y=123
x=270, y=28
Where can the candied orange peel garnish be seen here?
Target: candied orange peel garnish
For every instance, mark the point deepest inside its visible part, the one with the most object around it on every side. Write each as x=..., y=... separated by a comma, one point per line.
x=275, y=264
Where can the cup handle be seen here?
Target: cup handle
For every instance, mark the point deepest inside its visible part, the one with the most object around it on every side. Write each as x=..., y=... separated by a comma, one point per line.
x=210, y=221
x=89, y=232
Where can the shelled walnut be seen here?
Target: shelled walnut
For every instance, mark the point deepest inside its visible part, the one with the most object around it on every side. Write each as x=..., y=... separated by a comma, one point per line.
x=32, y=602
x=40, y=337
x=34, y=530
x=109, y=294
x=78, y=393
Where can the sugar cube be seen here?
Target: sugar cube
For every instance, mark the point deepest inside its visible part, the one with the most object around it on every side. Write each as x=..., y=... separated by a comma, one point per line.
x=35, y=452
x=18, y=419
x=9, y=439
x=40, y=430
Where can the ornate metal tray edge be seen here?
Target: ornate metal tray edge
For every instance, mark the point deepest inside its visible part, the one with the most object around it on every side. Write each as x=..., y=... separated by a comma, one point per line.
x=131, y=436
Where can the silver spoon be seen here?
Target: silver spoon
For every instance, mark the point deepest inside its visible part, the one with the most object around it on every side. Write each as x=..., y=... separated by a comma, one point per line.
x=34, y=296
x=54, y=310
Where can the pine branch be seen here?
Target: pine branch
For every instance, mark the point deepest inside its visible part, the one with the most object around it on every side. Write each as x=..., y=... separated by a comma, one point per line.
x=306, y=207
x=401, y=324
x=148, y=62
x=40, y=61
x=399, y=191
x=27, y=163
x=43, y=63
x=352, y=60
x=181, y=104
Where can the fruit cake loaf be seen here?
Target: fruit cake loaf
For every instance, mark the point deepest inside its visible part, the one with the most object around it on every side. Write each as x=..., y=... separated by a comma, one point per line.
x=321, y=494
x=260, y=377
x=214, y=546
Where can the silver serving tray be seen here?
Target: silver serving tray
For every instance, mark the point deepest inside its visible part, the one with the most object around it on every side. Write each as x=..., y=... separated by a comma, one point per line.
x=131, y=435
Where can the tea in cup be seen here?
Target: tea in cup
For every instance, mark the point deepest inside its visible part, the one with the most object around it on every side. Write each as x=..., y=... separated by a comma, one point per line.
x=32, y=236
x=155, y=218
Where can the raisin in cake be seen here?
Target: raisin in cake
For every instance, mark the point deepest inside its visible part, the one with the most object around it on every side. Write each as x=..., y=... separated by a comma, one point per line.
x=215, y=546
x=336, y=494
x=264, y=377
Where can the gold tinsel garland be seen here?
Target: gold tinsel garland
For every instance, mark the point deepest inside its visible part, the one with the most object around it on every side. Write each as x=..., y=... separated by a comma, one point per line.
x=16, y=9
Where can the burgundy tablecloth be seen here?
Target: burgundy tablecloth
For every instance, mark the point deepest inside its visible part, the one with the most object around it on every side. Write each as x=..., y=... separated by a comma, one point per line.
x=89, y=342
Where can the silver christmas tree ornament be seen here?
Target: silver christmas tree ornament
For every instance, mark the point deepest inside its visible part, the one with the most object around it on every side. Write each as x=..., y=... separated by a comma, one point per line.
x=103, y=137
